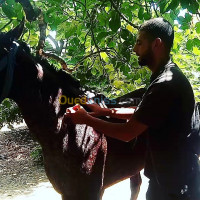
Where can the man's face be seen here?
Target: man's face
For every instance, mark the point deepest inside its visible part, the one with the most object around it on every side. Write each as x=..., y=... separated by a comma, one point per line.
x=143, y=49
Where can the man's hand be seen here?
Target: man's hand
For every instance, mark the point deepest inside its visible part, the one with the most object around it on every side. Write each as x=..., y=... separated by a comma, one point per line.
x=77, y=114
x=97, y=111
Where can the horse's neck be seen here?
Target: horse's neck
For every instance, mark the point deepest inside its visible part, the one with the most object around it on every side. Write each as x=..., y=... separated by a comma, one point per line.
x=41, y=109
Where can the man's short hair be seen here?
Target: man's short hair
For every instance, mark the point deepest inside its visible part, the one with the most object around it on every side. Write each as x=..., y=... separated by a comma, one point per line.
x=159, y=28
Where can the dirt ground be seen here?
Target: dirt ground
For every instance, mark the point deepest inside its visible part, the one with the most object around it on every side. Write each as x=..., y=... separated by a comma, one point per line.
x=19, y=173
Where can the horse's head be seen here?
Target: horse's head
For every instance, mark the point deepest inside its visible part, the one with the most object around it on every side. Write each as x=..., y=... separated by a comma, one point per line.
x=8, y=56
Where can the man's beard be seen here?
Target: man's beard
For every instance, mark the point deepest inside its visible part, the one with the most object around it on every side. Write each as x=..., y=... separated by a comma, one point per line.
x=146, y=59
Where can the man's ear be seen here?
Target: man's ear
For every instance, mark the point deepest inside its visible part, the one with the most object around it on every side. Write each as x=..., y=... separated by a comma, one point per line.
x=157, y=43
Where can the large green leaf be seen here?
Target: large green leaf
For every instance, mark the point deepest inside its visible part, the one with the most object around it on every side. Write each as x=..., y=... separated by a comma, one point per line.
x=115, y=22
x=184, y=3
x=193, y=6
x=147, y=16
x=102, y=35
x=141, y=13
x=8, y=10
x=189, y=45
x=173, y=5
x=185, y=22
x=127, y=36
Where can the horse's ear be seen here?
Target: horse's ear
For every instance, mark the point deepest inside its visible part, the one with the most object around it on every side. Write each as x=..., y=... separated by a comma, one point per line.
x=15, y=33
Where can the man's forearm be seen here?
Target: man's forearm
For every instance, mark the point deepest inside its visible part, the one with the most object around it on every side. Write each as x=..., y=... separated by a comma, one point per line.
x=121, y=131
x=121, y=113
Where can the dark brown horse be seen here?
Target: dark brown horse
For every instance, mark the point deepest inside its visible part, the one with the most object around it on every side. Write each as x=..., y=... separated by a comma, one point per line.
x=79, y=162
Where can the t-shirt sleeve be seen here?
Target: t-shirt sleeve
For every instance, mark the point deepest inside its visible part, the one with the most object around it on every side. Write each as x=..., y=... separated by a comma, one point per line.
x=155, y=106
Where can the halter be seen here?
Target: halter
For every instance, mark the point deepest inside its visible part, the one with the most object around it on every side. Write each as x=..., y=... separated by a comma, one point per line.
x=9, y=62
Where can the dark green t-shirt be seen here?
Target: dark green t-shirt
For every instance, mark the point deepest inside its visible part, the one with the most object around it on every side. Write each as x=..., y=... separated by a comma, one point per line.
x=167, y=109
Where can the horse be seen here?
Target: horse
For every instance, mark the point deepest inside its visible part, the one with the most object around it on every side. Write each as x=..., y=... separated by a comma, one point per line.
x=79, y=162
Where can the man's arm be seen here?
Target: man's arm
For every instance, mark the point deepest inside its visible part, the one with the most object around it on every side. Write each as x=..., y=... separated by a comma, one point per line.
x=119, y=113
x=122, y=131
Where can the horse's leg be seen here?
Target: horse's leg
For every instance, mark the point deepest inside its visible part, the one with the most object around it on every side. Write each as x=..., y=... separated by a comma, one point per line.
x=135, y=183
x=84, y=191
x=87, y=195
x=69, y=180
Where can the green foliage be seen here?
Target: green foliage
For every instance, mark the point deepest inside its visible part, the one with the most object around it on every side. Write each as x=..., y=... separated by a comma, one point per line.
x=37, y=156
x=9, y=113
x=97, y=37
x=115, y=22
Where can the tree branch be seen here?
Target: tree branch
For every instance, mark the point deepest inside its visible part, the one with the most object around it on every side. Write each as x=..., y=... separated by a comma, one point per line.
x=42, y=27
x=146, y=6
x=154, y=8
x=122, y=16
x=84, y=5
x=92, y=54
x=92, y=18
x=57, y=58
x=41, y=43
x=75, y=9
x=31, y=14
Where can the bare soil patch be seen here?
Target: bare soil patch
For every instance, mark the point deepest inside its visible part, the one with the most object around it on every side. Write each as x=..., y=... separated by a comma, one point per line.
x=19, y=173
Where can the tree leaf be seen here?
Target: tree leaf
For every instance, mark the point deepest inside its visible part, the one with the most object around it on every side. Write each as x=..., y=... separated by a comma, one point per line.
x=197, y=27
x=193, y=43
x=141, y=13
x=193, y=7
x=118, y=84
x=94, y=71
x=189, y=45
x=114, y=22
x=104, y=56
x=173, y=5
x=109, y=68
x=125, y=34
x=102, y=35
x=188, y=17
x=196, y=51
x=125, y=69
x=147, y=16
x=196, y=42
x=130, y=28
x=184, y=3
x=8, y=10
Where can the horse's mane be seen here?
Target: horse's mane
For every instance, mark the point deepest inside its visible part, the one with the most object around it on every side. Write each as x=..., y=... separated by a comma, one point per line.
x=62, y=78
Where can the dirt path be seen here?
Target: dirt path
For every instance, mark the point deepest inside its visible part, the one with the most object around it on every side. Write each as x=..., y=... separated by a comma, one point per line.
x=19, y=174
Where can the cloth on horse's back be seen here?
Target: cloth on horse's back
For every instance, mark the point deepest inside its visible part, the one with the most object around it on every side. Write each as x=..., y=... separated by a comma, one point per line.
x=88, y=144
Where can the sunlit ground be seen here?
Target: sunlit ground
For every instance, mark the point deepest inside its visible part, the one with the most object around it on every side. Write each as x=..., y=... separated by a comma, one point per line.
x=119, y=191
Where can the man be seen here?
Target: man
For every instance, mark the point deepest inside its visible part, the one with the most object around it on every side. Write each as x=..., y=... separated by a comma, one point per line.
x=165, y=113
